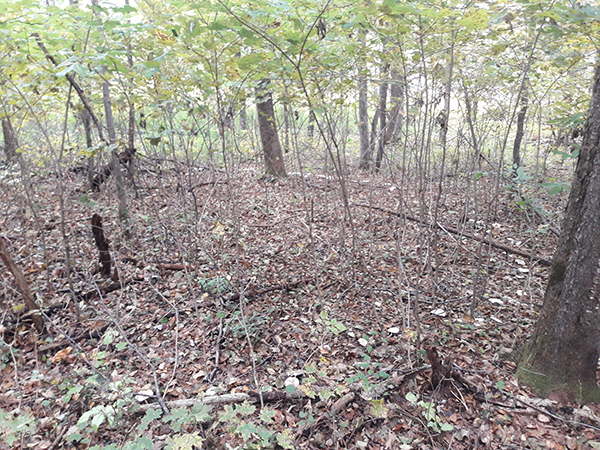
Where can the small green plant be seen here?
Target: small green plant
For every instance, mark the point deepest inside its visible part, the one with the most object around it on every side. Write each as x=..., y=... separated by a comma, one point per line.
x=330, y=325
x=215, y=285
x=5, y=358
x=434, y=421
x=253, y=325
x=15, y=426
x=238, y=420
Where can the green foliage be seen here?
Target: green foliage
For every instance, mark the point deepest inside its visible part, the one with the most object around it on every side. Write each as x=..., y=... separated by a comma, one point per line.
x=15, y=425
x=215, y=285
x=330, y=325
x=434, y=421
x=5, y=350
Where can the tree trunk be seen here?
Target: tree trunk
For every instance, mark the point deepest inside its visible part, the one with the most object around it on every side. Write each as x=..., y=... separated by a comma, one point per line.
x=311, y=124
x=383, y=88
x=274, y=164
x=562, y=354
x=520, y=127
x=363, y=124
x=395, y=116
x=112, y=136
x=10, y=139
x=243, y=118
x=286, y=128
x=87, y=127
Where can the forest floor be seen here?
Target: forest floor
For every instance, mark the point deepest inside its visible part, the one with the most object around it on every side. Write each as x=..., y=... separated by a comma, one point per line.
x=240, y=284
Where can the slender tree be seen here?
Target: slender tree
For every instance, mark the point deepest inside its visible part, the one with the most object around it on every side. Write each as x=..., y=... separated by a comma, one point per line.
x=274, y=164
x=10, y=139
x=383, y=90
x=363, y=124
x=520, y=125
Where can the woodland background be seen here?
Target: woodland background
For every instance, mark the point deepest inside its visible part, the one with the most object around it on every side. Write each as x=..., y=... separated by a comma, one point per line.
x=300, y=206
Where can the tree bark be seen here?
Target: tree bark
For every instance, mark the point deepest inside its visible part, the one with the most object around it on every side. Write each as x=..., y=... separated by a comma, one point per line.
x=383, y=89
x=116, y=167
x=562, y=354
x=87, y=127
x=395, y=115
x=520, y=127
x=10, y=139
x=274, y=164
x=363, y=124
x=311, y=124
x=243, y=118
x=22, y=286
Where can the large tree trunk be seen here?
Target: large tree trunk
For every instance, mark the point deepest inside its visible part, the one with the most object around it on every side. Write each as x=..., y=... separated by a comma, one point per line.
x=562, y=354
x=10, y=139
x=520, y=127
x=274, y=164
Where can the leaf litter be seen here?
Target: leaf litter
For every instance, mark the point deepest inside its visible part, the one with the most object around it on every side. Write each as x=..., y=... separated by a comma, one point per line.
x=264, y=288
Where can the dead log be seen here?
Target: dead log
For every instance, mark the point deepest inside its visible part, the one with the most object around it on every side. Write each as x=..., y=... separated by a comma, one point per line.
x=22, y=286
x=506, y=248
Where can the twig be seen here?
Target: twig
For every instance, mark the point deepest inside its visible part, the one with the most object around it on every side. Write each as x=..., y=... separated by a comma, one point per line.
x=506, y=248
x=257, y=292
x=554, y=416
x=211, y=376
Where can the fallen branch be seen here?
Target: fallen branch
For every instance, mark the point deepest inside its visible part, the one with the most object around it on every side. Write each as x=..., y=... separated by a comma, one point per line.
x=22, y=286
x=506, y=248
x=227, y=399
x=114, y=286
x=277, y=287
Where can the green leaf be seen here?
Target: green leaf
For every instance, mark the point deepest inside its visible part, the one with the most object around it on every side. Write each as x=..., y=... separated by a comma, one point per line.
x=285, y=439
x=97, y=420
x=125, y=9
x=151, y=415
x=378, y=409
x=246, y=430
x=446, y=427
x=290, y=388
x=412, y=398
x=501, y=385
x=555, y=190
x=474, y=20
x=217, y=26
x=245, y=409
x=267, y=415
x=340, y=326
x=187, y=441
